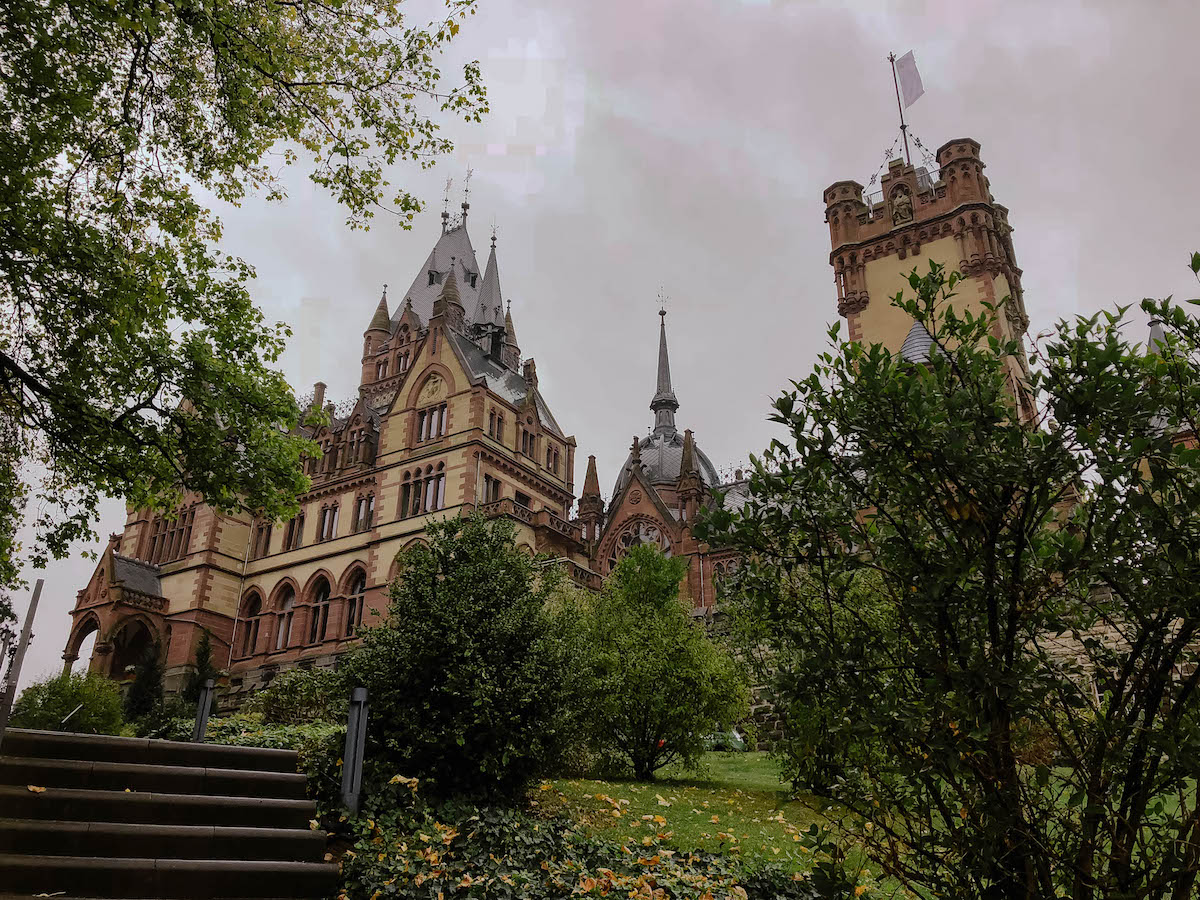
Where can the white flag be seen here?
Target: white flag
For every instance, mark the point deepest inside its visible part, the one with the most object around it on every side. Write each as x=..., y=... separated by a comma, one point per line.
x=909, y=78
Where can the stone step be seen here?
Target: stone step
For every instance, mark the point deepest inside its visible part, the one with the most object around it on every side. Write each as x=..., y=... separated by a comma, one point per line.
x=114, y=840
x=82, y=805
x=106, y=748
x=172, y=879
x=117, y=776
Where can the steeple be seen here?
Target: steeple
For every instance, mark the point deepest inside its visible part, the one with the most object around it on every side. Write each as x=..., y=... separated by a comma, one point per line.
x=664, y=403
x=449, y=301
x=591, y=481
x=490, y=311
x=512, y=351
x=591, y=504
x=382, y=320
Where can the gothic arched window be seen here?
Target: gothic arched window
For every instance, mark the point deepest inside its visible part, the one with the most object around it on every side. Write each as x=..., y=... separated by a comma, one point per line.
x=319, y=614
x=355, y=602
x=283, y=625
x=634, y=534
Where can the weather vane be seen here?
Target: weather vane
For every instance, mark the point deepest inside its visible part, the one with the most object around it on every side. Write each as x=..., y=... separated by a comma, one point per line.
x=662, y=301
x=467, y=186
x=446, y=196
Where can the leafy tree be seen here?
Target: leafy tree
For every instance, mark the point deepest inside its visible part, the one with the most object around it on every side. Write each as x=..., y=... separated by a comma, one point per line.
x=89, y=704
x=1037, y=578
x=816, y=747
x=202, y=670
x=658, y=686
x=146, y=692
x=468, y=678
x=132, y=361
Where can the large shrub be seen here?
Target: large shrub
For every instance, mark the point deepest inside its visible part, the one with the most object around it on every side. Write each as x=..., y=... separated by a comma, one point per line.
x=468, y=677
x=1030, y=682
x=302, y=695
x=45, y=704
x=202, y=670
x=659, y=686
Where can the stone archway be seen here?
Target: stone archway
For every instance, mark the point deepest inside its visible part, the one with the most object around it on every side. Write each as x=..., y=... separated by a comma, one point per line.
x=88, y=626
x=130, y=641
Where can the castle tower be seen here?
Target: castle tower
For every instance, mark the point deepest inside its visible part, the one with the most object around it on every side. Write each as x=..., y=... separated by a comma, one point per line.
x=374, y=338
x=953, y=220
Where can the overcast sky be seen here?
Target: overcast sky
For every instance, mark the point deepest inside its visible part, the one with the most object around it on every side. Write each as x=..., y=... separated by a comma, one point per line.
x=635, y=145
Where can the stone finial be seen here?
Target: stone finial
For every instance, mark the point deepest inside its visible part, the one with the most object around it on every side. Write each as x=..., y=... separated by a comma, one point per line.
x=591, y=481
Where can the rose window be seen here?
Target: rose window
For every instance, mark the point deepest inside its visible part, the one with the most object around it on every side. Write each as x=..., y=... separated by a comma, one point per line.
x=635, y=534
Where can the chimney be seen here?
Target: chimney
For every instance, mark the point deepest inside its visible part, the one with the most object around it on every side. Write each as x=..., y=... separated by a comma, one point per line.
x=318, y=399
x=530, y=373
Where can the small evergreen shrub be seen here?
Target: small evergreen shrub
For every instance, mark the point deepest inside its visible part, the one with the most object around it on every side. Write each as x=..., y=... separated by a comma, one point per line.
x=302, y=695
x=202, y=670
x=45, y=704
x=146, y=692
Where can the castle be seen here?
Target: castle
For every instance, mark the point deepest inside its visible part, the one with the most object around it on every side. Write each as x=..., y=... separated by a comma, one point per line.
x=448, y=419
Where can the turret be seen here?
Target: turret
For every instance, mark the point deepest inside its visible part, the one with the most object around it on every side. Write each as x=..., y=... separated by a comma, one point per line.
x=489, y=313
x=591, y=504
x=448, y=305
x=512, y=352
x=690, y=487
x=376, y=335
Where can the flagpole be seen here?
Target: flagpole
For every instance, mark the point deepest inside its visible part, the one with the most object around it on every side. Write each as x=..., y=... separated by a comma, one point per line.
x=900, y=106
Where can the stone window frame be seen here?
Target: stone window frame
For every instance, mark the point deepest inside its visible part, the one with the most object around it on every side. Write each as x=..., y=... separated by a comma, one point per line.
x=327, y=523
x=319, y=605
x=293, y=538
x=364, y=511
x=431, y=423
x=356, y=599
x=250, y=623
x=422, y=490
x=285, y=617
x=171, y=539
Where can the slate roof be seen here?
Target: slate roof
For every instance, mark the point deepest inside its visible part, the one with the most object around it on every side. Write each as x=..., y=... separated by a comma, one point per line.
x=737, y=493
x=504, y=382
x=662, y=455
x=918, y=345
x=135, y=575
x=454, y=243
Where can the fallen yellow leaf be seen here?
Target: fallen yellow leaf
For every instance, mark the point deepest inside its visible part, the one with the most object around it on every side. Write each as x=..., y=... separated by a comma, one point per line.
x=35, y=789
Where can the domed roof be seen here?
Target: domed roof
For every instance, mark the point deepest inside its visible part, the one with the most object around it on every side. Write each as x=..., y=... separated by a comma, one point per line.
x=661, y=456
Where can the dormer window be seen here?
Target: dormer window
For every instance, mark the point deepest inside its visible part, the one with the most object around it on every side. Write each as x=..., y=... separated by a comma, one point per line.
x=474, y=276
x=435, y=277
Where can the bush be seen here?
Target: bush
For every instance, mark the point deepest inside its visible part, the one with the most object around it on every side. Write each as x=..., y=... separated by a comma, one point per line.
x=45, y=704
x=659, y=687
x=302, y=695
x=146, y=692
x=411, y=852
x=469, y=677
x=202, y=670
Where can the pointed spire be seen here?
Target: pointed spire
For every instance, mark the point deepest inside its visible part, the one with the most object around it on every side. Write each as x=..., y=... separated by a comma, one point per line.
x=688, y=465
x=510, y=333
x=591, y=481
x=382, y=320
x=664, y=403
x=635, y=452
x=491, y=306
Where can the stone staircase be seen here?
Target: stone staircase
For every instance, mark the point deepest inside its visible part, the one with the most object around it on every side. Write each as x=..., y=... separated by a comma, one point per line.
x=138, y=818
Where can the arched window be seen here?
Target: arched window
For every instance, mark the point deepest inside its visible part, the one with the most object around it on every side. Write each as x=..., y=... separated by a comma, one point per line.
x=319, y=614
x=355, y=601
x=638, y=532
x=286, y=606
x=251, y=610
x=423, y=490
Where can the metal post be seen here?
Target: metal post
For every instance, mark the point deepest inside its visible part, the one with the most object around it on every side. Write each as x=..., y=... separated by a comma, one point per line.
x=203, y=705
x=9, y=693
x=356, y=741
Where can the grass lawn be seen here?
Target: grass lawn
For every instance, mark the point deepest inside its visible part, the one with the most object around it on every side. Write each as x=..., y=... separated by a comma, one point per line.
x=737, y=805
